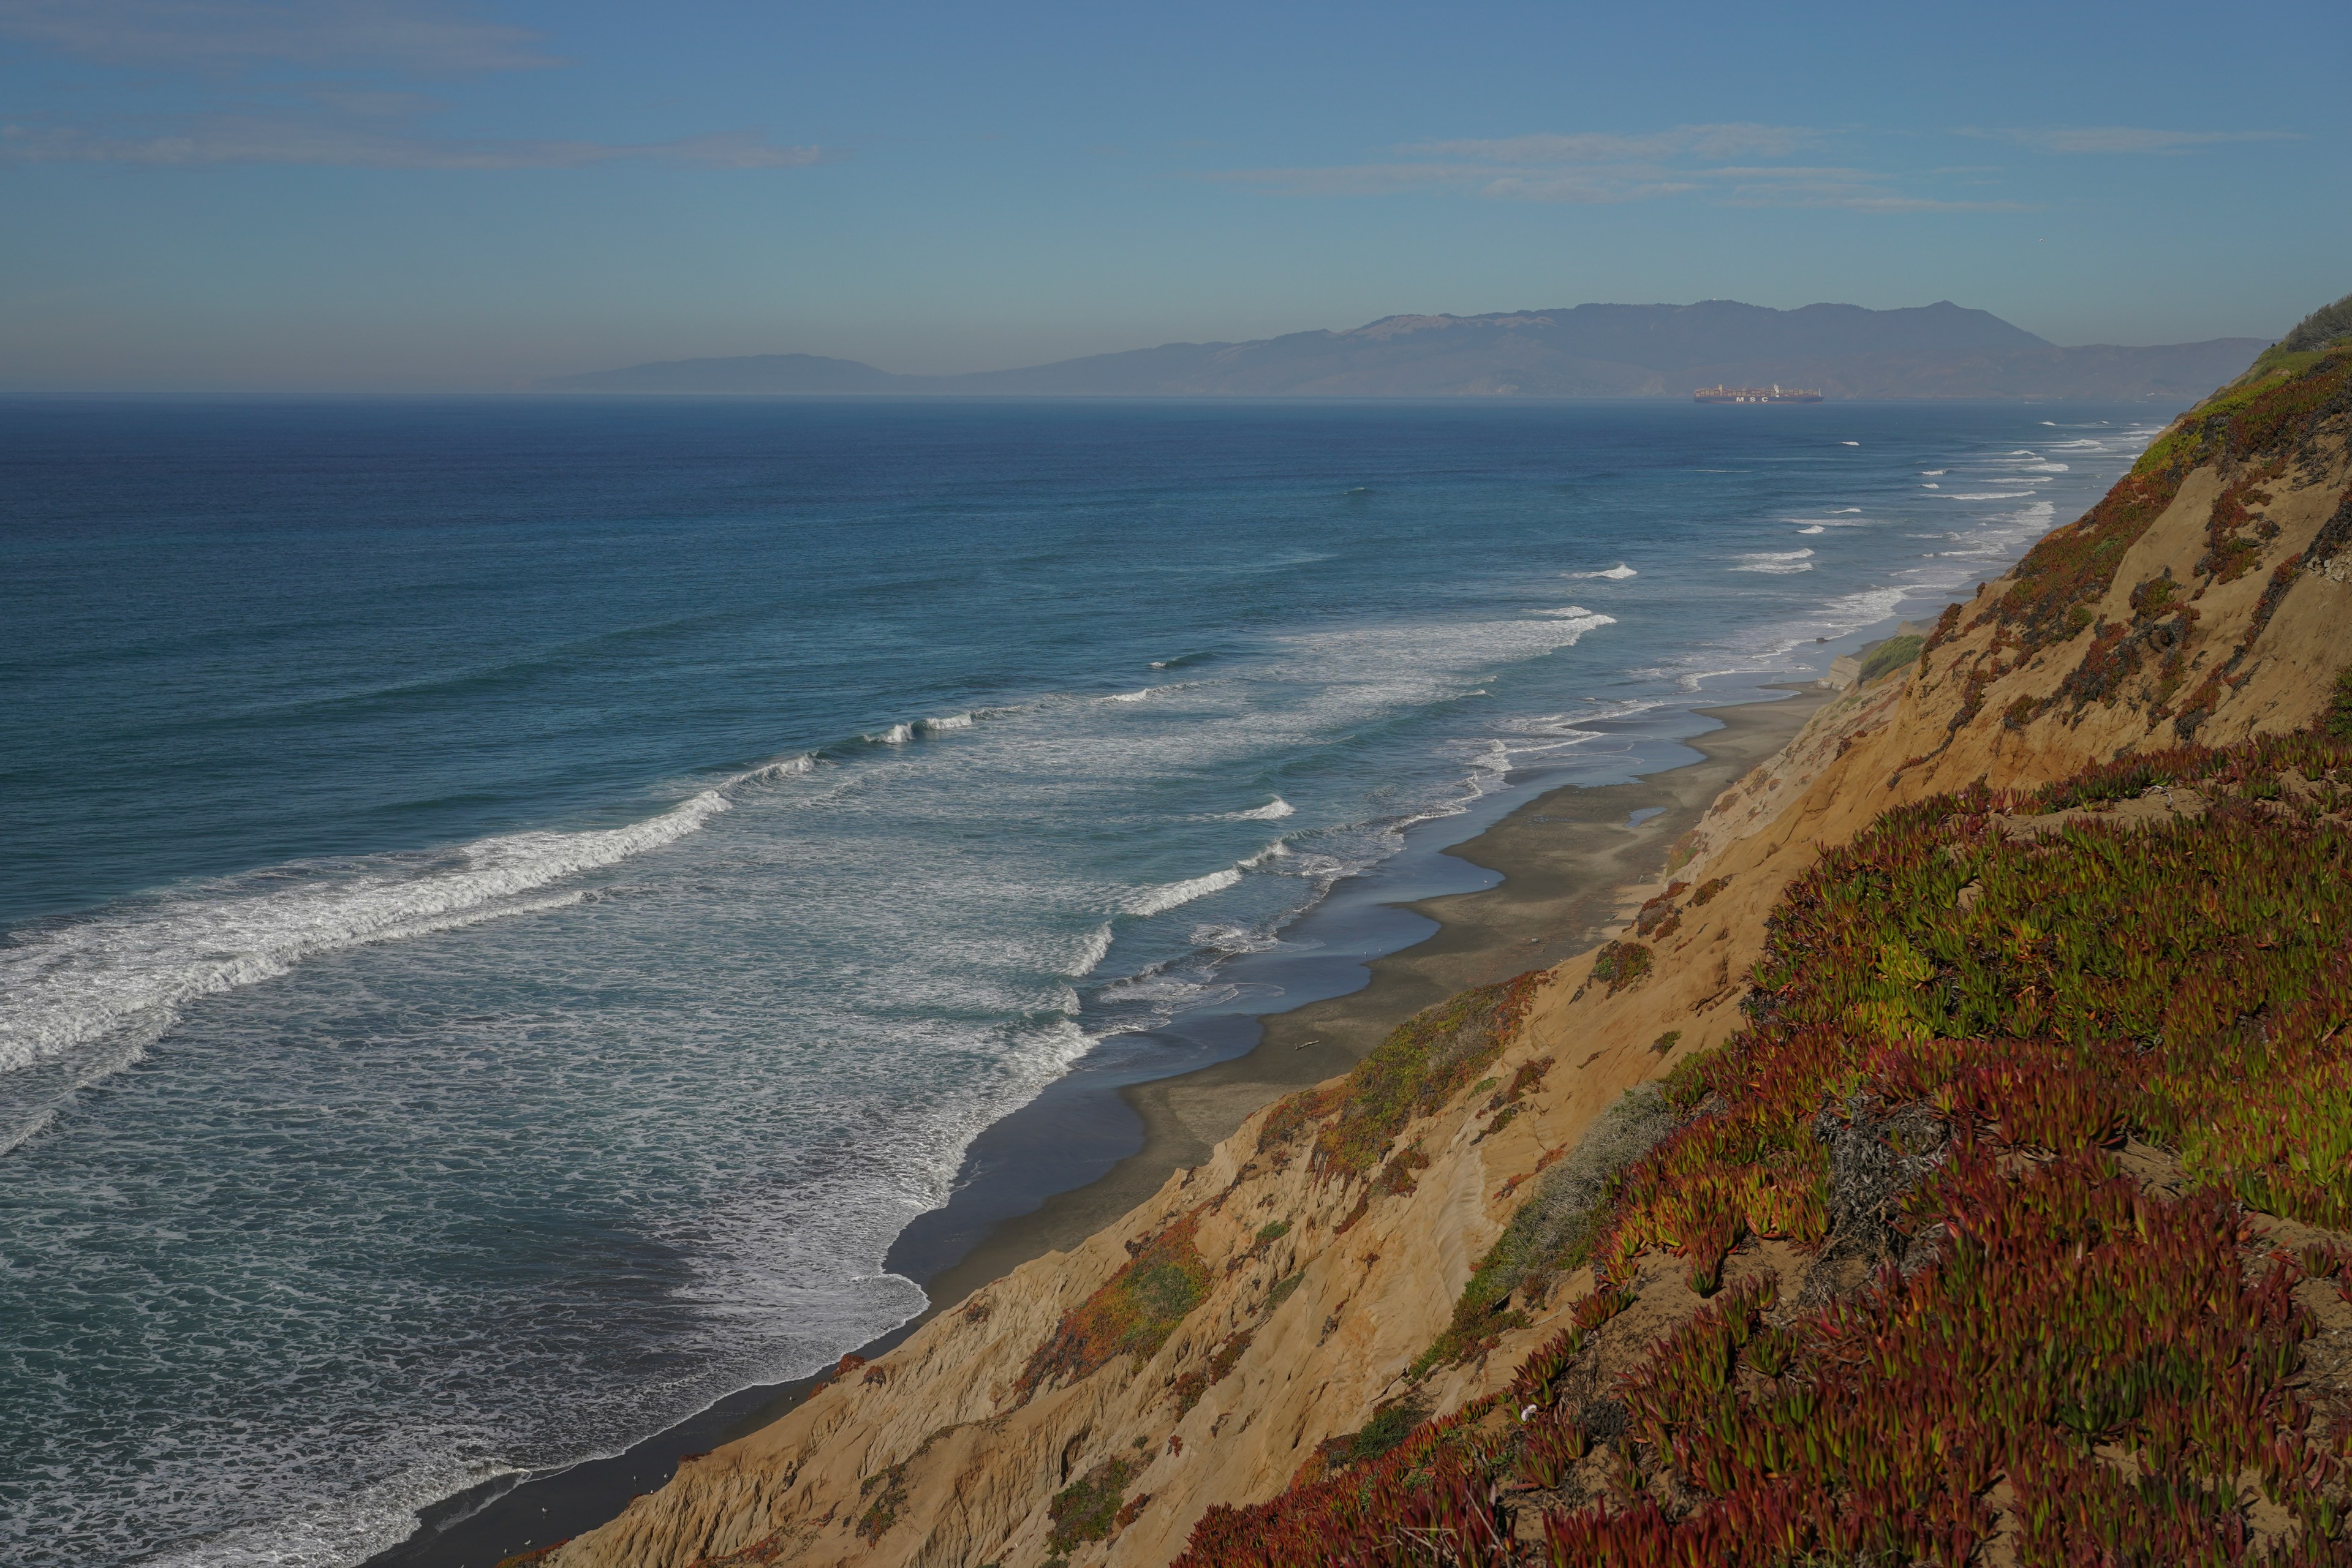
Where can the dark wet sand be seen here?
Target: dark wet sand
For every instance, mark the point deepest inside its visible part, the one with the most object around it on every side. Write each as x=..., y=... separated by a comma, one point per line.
x=1566, y=858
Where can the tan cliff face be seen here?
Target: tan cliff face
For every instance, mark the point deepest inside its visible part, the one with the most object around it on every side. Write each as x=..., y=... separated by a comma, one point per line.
x=1307, y=1292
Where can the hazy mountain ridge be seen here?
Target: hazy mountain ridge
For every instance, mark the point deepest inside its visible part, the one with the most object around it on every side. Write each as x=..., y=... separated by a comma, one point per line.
x=1588, y=350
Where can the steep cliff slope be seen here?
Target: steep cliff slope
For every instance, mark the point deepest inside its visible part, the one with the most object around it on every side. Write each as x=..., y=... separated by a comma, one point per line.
x=1980, y=1192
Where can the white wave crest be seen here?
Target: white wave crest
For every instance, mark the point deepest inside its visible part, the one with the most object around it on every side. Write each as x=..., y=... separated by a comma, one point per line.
x=1159, y=900
x=1091, y=951
x=1273, y=811
x=897, y=734
x=1777, y=562
x=1989, y=496
x=79, y=981
x=1273, y=851
x=784, y=767
x=1617, y=573
x=1320, y=869
x=1811, y=528
x=1164, y=995
x=1234, y=939
x=1560, y=725
x=1853, y=612
x=941, y=726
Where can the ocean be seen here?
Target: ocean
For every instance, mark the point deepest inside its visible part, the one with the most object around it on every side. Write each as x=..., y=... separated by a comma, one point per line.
x=512, y=904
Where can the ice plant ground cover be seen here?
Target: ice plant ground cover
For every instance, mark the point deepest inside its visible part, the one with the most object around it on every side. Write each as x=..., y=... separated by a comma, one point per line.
x=2265, y=427
x=2074, y=1085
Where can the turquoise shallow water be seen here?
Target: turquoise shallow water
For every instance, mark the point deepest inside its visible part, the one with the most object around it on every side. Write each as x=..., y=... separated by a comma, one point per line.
x=512, y=906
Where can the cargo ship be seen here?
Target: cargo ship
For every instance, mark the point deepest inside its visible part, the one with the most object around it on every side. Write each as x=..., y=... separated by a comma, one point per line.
x=1776, y=392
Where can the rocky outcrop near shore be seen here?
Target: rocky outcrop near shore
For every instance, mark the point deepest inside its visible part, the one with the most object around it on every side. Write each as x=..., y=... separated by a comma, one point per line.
x=1462, y=1275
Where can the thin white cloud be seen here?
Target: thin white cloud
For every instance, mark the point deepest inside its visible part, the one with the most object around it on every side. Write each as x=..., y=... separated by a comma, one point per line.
x=1523, y=182
x=1709, y=141
x=1361, y=179
x=429, y=36
x=1853, y=199
x=1578, y=187
x=2117, y=138
x=368, y=104
x=1854, y=189
x=312, y=111
x=221, y=141
x=1599, y=167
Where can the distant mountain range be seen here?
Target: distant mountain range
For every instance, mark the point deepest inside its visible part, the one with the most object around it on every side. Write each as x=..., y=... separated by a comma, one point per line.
x=1591, y=351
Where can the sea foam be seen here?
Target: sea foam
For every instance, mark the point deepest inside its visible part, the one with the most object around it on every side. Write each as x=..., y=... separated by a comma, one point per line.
x=75, y=982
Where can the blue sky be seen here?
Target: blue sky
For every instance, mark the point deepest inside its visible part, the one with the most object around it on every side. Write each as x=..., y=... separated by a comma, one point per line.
x=409, y=194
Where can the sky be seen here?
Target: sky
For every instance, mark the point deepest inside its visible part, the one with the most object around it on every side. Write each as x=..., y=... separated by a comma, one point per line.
x=394, y=196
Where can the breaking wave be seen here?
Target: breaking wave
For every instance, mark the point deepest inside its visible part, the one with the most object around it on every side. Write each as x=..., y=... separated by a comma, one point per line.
x=1159, y=900
x=75, y=982
x=1776, y=562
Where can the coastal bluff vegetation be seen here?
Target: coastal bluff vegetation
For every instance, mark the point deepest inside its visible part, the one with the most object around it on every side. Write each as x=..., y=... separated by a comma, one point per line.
x=1950, y=1162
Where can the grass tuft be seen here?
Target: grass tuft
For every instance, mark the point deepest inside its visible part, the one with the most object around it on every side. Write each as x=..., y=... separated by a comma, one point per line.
x=1621, y=964
x=1429, y=1059
x=1892, y=655
x=1554, y=1230
x=1087, y=1509
x=1133, y=1314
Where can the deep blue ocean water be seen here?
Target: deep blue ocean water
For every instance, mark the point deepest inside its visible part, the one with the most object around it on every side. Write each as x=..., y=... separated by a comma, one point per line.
x=512, y=904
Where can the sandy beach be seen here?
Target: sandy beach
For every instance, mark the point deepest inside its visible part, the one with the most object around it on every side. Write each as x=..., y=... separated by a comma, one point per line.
x=1574, y=860
x=1567, y=858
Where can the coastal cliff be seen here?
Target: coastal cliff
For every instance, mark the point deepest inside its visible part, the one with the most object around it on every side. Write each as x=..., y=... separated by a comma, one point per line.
x=2003, y=1002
